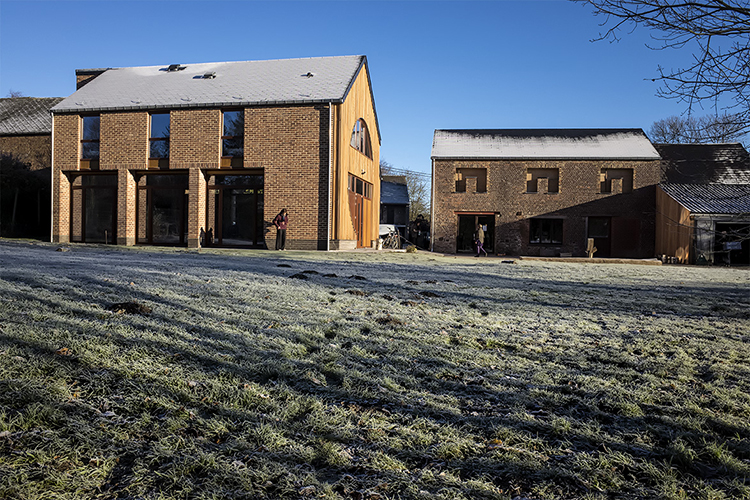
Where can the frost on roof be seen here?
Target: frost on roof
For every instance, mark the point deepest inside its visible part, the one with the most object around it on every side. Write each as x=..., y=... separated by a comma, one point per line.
x=235, y=83
x=711, y=198
x=26, y=115
x=544, y=144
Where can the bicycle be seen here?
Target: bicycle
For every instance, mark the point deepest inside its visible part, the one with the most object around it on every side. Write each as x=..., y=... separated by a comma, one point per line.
x=392, y=240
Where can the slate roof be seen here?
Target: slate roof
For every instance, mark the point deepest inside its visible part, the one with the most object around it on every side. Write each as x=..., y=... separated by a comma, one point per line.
x=243, y=83
x=730, y=199
x=705, y=163
x=393, y=191
x=26, y=115
x=543, y=144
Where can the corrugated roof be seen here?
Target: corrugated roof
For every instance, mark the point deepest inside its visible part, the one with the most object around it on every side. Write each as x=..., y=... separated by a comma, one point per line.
x=393, y=193
x=711, y=198
x=26, y=115
x=544, y=144
x=705, y=163
x=244, y=83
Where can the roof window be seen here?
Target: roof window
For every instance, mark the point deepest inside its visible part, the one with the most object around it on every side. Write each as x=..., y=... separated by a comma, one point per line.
x=175, y=67
x=209, y=76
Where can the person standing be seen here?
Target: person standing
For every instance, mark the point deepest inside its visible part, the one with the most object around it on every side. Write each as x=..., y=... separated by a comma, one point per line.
x=281, y=221
x=480, y=241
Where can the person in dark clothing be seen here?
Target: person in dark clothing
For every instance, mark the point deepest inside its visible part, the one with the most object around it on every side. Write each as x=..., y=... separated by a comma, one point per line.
x=281, y=222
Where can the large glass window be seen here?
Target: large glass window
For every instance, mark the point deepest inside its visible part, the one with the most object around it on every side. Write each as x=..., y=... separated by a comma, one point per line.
x=361, y=138
x=162, y=209
x=546, y=231
x=360, y=186
x=94, y=208
x=235, y=218
x=233, y=134
x=159, y=136
x=90, y=138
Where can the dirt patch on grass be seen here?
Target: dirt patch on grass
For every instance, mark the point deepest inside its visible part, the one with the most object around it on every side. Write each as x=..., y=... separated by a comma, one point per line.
x=131, y=307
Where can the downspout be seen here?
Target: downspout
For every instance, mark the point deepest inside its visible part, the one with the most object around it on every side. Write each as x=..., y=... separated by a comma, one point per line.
x=330, y=173
x=432, y=208
x=52, y=183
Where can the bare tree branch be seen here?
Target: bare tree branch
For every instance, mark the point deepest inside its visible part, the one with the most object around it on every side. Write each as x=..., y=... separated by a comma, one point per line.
x=717, y=32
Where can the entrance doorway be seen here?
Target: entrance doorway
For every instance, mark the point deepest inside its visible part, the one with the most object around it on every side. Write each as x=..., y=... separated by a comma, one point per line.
x=162, y=209
x=467, y=227
x=235, y=211
x=600, y=228
x=360, y=207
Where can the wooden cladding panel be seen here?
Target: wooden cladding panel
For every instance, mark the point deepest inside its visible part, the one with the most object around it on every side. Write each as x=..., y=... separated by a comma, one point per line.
x=348, y=160
x=674, y=229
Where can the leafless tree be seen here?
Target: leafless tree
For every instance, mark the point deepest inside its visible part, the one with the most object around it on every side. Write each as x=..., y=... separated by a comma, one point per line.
x=15, y=93
x=688, y=129
x=716, y=31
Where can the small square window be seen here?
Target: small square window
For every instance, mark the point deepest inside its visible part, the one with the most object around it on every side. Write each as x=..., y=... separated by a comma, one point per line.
x=552, y=176
x=622, y=177
x=471, y=177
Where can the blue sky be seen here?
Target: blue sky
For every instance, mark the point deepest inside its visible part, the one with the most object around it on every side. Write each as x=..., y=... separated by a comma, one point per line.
x=434, y=64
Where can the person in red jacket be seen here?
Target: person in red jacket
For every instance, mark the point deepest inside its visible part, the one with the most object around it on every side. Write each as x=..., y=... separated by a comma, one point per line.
x=281, y=222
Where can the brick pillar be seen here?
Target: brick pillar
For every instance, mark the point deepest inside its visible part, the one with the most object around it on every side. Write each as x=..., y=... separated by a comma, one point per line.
x=471, y=184
x=616, y=186
x=60, y=207
x=196, y=207
x=126, y=212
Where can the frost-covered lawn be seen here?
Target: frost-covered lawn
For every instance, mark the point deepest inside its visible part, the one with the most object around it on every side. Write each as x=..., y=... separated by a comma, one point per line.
x=379, y=376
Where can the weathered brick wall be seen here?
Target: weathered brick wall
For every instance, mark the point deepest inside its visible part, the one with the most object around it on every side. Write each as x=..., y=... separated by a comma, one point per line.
x=291, y=144
x=579, y=197
x=35, y=150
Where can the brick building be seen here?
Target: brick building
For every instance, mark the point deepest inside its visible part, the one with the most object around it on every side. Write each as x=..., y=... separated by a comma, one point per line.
x=545, y=192
x=25, y=146
x=208, y=154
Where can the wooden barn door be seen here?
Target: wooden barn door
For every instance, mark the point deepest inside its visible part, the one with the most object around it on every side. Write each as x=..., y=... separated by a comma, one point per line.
x=360, y=207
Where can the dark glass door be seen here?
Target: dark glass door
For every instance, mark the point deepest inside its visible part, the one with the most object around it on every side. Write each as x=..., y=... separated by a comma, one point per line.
x=600, y=229
x=94, y=209
x=162, y=209
x=235, y=212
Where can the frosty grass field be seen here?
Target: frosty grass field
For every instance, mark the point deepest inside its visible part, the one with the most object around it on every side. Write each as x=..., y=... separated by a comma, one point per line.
x=174, y=374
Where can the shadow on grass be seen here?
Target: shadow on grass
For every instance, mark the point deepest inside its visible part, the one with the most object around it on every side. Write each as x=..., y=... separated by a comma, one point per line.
x=233, y=403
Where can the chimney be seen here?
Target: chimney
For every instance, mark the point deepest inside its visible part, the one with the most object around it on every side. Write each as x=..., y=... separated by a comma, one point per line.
x=84, y=76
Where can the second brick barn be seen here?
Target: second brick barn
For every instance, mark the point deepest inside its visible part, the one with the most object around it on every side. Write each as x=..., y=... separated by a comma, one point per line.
x=545, y=192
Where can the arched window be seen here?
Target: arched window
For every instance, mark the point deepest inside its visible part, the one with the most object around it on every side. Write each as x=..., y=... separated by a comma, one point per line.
x=361, y=138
